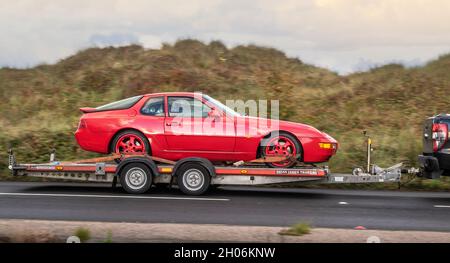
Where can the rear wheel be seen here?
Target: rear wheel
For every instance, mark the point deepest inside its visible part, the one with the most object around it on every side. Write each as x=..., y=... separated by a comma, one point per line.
x=136, y=178
x=130, y=142
x=193, y=179
x=281, y=144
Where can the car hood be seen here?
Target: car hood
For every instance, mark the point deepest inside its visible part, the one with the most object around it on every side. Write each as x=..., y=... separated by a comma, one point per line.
x=299, y=129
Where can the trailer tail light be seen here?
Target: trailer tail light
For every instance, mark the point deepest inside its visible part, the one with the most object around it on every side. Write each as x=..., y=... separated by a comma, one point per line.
x=439, y=136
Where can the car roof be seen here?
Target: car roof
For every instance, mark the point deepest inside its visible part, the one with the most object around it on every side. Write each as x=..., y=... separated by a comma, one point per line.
x=171, y=93
x=442, y=116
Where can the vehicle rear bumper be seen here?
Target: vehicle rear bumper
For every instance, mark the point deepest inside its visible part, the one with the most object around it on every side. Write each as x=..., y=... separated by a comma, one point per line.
x=92, y=142
x=430, y=163
x=430, y=166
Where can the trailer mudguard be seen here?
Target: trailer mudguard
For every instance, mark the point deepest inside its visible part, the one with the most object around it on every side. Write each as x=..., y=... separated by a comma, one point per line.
x=205, y=162
x=150, y=163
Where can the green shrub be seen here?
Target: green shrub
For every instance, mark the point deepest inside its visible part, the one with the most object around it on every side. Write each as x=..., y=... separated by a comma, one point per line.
x=299, y=229
x=83, y=234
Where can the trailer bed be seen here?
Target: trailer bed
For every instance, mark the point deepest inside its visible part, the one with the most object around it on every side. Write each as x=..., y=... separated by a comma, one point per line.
x=103, y=170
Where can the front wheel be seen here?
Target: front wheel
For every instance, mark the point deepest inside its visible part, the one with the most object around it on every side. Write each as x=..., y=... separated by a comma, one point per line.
x=281, y=144
x=193, y=179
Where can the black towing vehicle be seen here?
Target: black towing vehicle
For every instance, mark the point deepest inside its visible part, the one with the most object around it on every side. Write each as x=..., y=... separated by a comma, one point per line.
x=435, y=160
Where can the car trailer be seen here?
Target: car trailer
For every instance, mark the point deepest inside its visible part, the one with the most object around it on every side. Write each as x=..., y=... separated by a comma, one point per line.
x=138, y=172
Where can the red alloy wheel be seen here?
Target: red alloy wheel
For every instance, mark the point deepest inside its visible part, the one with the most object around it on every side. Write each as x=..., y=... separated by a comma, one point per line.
x=130, y=143
x=281, y=145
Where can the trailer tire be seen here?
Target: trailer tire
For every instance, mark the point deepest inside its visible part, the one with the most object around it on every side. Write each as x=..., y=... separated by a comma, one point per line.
x=136, y=178
x=193, y=179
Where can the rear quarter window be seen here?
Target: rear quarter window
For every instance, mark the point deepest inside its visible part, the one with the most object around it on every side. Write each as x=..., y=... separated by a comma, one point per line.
x=154, y=107
x=446, y=121
x=120, y=105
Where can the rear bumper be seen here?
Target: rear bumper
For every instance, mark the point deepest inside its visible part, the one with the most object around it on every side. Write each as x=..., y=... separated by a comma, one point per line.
x=429, y=163
x=91, y=141
x=430, y=166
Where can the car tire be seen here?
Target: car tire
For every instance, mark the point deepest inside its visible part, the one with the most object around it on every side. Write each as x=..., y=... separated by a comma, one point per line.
x=446, y=172
x=287, y=137
x=123, y=135
x=136, y=178
x=193, y=179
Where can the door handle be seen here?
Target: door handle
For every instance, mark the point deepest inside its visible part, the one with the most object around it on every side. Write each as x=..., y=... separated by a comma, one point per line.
x=174, y=123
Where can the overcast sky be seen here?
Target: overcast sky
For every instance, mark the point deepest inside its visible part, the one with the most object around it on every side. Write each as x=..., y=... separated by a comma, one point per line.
x=342, y=35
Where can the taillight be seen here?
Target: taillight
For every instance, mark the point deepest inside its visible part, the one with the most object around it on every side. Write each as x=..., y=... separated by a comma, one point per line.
x=439, y=136
x=82, y=124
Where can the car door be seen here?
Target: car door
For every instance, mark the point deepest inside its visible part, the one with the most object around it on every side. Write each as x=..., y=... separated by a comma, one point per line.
x=192, y=125
x=151, y=122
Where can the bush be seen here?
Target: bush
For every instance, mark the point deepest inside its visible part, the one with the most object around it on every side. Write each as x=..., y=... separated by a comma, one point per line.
x=83, y=234
x=299, y=229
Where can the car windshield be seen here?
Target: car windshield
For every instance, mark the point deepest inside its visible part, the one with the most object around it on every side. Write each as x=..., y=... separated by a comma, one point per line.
x=221, y=106
x=120, y=105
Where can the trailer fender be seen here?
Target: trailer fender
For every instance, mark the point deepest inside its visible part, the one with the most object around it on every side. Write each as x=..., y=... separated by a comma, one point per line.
x=148, y=162
x=204, y=162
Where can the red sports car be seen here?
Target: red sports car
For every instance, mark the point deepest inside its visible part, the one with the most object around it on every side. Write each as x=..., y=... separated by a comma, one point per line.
x=180, y=124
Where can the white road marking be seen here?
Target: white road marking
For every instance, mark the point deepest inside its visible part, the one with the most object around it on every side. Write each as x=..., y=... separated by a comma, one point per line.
x=343, y=203
x=442, y=206
x=117, y=196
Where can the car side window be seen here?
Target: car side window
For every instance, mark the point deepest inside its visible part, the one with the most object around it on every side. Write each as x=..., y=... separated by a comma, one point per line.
x=154, y=107
x=187, y=107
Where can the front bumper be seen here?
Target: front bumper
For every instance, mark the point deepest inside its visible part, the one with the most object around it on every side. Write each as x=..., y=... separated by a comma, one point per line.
x=313, y=152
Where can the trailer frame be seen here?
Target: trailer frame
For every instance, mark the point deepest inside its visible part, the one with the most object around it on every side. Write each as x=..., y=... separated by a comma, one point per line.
x=109, y=169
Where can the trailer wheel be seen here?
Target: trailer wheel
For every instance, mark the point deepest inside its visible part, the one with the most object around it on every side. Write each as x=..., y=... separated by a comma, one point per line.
x=193, y=179
x=136, y=178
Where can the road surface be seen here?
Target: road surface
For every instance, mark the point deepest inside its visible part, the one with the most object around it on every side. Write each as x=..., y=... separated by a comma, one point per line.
x=390, y=210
